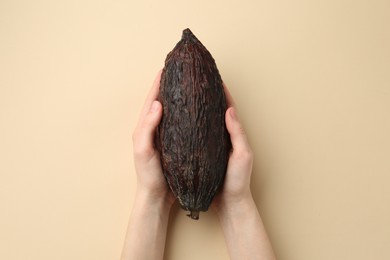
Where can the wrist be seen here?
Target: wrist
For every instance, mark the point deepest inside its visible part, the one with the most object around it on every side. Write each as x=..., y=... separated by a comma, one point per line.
x=158, y=203
x=235, y=207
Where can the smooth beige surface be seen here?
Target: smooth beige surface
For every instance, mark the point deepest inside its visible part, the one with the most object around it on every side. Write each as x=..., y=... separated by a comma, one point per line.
x=312, y=83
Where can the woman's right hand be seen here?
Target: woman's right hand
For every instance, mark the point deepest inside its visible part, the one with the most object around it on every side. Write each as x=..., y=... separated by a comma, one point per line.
x=245, y=235
x=236, y=188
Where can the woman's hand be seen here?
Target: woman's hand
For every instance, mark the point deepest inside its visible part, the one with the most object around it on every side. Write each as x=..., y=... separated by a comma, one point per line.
x=236, y=189
x=150, y=178
x=147, y=229
x=241, y=223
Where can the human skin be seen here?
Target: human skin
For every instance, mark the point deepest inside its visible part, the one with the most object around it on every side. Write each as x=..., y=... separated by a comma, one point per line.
x=240, y=220
x=243, y=228
x=147, y=228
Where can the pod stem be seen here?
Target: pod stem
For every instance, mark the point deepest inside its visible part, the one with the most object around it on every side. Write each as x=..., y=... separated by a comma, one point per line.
x=193, y=215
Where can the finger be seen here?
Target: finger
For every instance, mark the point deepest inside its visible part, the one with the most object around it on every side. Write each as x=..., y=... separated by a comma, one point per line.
x=228, y=96
x=153, y=94
x=236, y=131
x=144, y=137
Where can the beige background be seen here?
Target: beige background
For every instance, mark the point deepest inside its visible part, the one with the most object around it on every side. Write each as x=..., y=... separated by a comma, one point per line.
x=312, y=84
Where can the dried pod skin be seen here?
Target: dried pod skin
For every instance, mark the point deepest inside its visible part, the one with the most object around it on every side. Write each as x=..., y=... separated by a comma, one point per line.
x=192, y=139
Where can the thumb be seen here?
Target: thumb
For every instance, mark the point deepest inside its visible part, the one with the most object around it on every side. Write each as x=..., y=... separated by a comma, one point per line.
x=144, y=137
x=236, y=131
x=153, y=117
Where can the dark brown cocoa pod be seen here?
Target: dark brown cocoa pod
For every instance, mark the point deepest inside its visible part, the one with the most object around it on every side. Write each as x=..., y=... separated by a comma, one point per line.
x=192, y=138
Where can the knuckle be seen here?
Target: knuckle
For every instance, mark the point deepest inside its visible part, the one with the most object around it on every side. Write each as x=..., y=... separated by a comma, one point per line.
x=245, y=155
x=136, y=136
x=241, y=130
x=142, y=126
x=141, y=152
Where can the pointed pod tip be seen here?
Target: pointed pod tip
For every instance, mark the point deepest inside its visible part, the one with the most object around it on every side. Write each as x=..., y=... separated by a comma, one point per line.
x=187, y=35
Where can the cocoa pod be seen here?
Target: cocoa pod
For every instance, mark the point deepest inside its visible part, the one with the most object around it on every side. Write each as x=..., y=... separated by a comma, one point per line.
x=192, y=138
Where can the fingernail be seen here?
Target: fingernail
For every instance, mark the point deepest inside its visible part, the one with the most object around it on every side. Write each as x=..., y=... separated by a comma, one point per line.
x=154, y=106
x=233, y=113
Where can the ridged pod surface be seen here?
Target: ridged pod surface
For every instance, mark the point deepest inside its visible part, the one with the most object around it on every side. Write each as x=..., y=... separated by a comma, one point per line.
x=192, y=138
